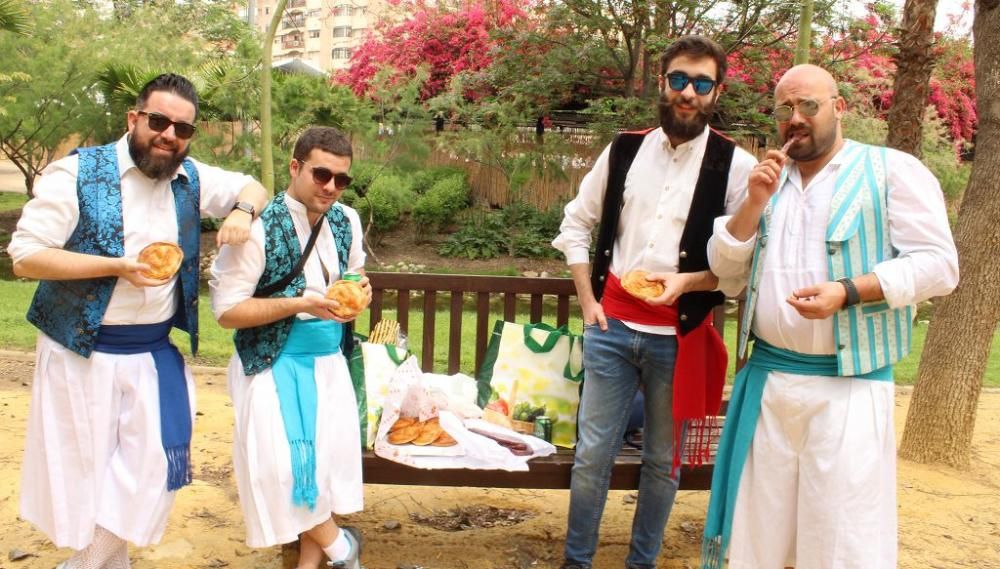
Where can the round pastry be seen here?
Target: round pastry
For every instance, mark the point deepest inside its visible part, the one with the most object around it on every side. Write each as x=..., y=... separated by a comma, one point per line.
x=349, y=295
x=406, y=434
x=636, y=284
x=163, y=259
x=402, y=422
x=429, y=433
x=444, y=440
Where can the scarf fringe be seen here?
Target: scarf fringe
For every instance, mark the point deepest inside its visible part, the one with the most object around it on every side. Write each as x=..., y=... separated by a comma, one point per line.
x=178, y=467
x=304, y=491
x=711, y=553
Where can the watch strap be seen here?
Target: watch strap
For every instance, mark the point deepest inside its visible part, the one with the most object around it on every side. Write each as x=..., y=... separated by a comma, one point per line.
x=853, y=296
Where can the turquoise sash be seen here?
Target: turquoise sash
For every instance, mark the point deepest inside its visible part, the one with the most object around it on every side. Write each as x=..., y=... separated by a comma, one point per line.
x=294, y=378
x=737, y=434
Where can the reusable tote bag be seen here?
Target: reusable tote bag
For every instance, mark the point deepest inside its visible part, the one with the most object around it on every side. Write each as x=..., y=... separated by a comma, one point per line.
x=534, y=369
x=380, y=362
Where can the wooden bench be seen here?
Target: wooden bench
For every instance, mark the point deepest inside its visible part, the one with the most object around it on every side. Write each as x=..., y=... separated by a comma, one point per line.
x=514, y=299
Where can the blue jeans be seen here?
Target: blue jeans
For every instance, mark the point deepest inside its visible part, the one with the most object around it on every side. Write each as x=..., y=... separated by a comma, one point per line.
x=617, y=362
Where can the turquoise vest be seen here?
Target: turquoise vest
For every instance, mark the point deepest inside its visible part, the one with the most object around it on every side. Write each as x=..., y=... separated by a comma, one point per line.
x=869, y=335
x=70, y=311
x=260, y=345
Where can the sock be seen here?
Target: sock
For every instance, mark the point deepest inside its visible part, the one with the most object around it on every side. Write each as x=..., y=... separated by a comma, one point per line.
x=107, y=549
x=339, y=549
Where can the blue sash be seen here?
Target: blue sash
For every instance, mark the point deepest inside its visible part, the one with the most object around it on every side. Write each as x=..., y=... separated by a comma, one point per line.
x=295, y=381
x=175, y=407
x=737, y=434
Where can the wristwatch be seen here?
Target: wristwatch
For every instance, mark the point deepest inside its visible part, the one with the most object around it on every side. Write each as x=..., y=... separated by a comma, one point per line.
x=245, y=206
x=852, y=292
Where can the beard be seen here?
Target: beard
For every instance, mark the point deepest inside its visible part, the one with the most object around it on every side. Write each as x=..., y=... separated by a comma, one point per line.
x=810, y=143
x=681, y=128
x=157, y=168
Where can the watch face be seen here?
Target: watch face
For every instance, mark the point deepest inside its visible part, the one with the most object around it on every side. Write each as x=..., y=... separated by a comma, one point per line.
x=244, y=206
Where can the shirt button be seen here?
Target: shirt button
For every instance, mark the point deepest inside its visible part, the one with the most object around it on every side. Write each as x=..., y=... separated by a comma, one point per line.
x=650, y=245
x=684, y=317
x=91, y=297
x=607, y=252
x=684, y=255
x=831, y=250
x=299, y=291
x=763, y=241
x=841, y=346
x=601, y=278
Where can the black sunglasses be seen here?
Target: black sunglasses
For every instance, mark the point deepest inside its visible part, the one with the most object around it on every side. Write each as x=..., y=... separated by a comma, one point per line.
x=322, y=176
x=160, y=123
x=678, y=81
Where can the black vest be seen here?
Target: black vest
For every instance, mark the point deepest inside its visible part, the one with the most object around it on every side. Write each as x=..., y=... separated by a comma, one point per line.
x=708, y=203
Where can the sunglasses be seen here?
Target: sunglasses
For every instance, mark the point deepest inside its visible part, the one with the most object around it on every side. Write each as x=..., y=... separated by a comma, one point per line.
x=806, y=107
x=160, y=123
x=678, y=81
x=322, y=176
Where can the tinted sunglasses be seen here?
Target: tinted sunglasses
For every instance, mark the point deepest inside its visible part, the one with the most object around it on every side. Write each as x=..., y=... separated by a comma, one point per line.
x=322, y=176
x=807, y=108
x=160, y=123
x=678, y=81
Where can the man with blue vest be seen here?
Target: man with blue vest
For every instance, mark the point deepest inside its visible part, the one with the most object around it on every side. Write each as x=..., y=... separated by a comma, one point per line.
x=840, y=240
x=109, y=429
x=297, y=438
x=655, y=195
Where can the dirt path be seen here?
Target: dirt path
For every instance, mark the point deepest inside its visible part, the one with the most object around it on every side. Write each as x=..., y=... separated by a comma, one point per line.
x=947, y=519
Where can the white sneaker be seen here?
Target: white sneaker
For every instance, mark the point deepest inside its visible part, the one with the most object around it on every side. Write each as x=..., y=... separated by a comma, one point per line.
x=353, y=559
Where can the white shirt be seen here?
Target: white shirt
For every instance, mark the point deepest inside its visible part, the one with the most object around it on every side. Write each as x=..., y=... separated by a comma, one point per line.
x=148, y=215
x=926, y=266
x=238, y=269
x=659, y=188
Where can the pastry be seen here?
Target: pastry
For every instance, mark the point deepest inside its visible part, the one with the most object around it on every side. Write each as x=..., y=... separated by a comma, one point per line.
x=401, y=423
x=405, y=434
x=163, y=259
x=429, y=433
x=444, y=440
x=636, y=284
x=350, y=296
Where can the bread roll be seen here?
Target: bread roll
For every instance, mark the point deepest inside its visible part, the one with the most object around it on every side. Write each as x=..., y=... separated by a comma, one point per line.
x=163, y=259
x=350, y=296
x=636, y=284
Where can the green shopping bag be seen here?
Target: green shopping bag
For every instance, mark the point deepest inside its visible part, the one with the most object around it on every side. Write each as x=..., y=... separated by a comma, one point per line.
x=528, y=367
x=372, y=366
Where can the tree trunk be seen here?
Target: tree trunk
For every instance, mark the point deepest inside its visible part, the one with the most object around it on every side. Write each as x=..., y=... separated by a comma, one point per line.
x=943, y=411
x=805, y=33
x=913, y=73
x=266, y=152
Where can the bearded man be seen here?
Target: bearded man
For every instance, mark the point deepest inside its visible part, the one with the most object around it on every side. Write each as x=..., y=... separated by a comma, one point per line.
x=112, y=406
x=655, y=195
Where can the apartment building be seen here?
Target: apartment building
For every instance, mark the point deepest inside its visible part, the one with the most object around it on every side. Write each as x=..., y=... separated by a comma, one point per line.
x=322, y=33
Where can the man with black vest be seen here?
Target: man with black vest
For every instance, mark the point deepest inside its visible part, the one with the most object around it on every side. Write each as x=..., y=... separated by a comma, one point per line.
x=297, y=438
x=109, y=429
x=655, y=195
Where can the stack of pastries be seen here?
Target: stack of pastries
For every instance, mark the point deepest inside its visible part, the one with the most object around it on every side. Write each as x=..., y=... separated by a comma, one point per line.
x=408, y=430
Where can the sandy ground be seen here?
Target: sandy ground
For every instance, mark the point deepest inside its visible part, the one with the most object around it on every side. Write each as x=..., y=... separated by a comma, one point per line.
x=948, y=519
x=11, y=179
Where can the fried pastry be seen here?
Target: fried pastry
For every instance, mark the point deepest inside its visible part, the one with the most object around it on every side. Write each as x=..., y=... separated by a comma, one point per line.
x=401, y=423
x=349, y=295
x=429, y=433
x=636, y=284
x=163, y=259
x=405, y=434
x=444, y=440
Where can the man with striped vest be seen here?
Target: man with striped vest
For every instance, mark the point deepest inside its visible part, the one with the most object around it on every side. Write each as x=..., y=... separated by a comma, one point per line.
x=840, y=240
x=112, y=403
x=297, y=438
x=655, y=195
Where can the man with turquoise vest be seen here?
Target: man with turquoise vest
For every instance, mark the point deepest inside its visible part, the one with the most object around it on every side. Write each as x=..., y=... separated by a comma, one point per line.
x=838, y=241
x=109, y=429
x=297, y=438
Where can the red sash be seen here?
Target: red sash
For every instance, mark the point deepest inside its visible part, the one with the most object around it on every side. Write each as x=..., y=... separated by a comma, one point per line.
x=699, y=368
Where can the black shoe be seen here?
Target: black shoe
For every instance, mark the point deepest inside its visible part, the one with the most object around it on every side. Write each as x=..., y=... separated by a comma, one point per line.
x=574, y=565
x=353, y=560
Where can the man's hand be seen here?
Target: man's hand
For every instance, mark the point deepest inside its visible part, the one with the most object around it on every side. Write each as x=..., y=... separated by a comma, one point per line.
x=235, y=229
x=131, y=270
x=675, y=284
x=593, y=313
x=319, y=306
x=764, y=177
x=818, y=301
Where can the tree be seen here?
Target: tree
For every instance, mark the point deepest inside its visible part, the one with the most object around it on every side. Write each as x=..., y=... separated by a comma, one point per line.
x=14, y=18
x=805, y=33
x=942, y=414
x=266, y=157
x=914, y=63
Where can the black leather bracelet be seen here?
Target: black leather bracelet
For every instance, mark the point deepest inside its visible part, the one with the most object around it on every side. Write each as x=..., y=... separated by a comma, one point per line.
x=853, y=296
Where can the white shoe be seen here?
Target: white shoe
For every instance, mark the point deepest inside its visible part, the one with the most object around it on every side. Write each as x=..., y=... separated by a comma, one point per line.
x=353, y=559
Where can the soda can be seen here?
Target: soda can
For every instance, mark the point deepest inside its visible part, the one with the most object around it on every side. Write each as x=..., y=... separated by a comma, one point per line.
x=543, y=428
x=353, y=277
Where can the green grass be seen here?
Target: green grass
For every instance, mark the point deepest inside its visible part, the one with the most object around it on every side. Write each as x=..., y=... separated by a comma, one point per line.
x=10, y=201
x=216, y=343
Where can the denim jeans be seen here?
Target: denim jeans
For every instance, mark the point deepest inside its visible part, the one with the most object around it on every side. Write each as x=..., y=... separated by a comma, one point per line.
x=617, y=362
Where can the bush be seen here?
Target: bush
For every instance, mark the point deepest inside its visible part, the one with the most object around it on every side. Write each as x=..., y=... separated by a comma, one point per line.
x=436, y=209
x=424, y=180
x=388, y=197
x=518, y=230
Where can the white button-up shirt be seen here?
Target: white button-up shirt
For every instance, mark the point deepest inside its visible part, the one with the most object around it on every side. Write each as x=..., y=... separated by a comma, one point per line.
x=796, y=254
x=659, y=188
x=238, y=269
x=148, y=214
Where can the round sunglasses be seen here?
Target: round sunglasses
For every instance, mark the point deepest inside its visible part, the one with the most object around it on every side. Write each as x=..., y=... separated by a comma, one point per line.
x=322, y=176
x=160, y=123
x=678, y=81
x=806, y=107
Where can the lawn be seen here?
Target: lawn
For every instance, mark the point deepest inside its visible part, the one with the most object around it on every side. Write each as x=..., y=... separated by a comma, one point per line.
x=10, y=201
x=216, y=343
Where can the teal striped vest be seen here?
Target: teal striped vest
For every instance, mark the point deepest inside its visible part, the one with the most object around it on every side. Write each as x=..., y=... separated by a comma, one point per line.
x=869, y=335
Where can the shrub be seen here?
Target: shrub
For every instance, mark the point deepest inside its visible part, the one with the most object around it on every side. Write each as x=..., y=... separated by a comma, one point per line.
x=424, y=180
x=436, y=209
x=518, y=230
x=388, y=197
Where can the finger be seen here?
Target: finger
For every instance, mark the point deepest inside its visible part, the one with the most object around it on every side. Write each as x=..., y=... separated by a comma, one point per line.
x=603, y=321
x=806, y=292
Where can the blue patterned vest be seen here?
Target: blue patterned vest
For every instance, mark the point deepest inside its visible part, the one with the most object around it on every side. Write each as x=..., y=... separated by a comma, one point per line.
x=869, y=335
x=258, y=346
x=70, y=311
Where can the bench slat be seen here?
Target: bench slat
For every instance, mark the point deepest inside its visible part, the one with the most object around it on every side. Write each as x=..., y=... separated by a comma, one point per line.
x=403, y=310
x=482, y=327
x=455, y=333
x=430, y=312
